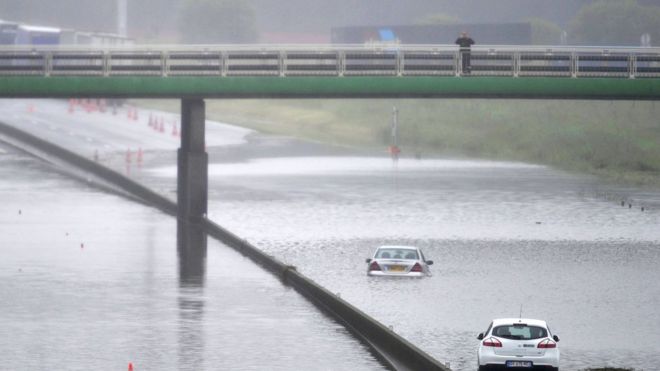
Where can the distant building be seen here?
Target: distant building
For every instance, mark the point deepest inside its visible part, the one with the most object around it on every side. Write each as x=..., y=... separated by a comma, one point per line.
x=482, y=33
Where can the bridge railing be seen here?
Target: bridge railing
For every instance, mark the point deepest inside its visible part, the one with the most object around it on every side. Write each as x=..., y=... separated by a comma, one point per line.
x=332, y=60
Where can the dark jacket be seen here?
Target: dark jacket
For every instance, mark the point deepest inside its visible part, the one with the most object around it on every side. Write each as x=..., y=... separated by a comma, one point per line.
x=464, y=42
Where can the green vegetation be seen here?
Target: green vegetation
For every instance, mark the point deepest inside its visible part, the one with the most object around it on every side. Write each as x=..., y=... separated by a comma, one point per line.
x=615, y=22
x=618, y=140
x=544, y=32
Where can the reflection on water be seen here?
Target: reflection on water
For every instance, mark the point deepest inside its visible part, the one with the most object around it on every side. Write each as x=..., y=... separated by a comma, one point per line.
x=501, y=235
x=330, y=166
x=191, y=246
x=191, y=327
x=88, y=281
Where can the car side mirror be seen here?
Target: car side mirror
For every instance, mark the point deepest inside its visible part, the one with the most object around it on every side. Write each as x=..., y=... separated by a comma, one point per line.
x=368, y=260
x=481, y=336
x=555, y=338
x=429, y=262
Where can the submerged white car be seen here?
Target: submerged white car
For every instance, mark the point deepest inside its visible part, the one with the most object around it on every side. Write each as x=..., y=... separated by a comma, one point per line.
x=518, y=344
x=407, y=261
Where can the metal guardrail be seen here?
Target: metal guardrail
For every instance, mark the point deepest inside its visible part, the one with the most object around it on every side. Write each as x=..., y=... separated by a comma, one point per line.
x=335, y=60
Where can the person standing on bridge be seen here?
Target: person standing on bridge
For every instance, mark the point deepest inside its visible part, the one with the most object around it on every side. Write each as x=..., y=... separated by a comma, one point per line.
x=465, y=42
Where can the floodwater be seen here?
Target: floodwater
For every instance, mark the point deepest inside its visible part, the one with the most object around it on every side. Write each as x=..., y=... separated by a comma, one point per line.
x=89, y=281
x=505, y=238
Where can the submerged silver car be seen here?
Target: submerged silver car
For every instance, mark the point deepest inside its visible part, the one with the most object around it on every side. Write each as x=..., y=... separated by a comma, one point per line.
x=406, y=261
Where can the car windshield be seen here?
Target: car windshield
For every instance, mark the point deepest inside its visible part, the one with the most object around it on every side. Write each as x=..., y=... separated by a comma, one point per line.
x=394, y=253
x=520, y=332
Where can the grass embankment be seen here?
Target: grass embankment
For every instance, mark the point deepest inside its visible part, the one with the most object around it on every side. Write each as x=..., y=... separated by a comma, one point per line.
x=617, y=140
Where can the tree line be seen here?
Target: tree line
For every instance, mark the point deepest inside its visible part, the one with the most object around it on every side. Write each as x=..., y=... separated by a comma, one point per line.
x=602, y=22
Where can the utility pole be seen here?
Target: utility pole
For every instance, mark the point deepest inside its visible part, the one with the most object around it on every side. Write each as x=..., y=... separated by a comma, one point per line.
x=122, y=17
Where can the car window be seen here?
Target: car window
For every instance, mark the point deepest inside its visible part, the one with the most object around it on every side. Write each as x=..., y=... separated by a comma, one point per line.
x=410, y=255
x=385, y=253
x=396, y=254
x=520, y=332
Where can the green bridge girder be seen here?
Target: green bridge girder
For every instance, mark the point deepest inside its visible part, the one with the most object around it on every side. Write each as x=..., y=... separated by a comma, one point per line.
x=201, y=87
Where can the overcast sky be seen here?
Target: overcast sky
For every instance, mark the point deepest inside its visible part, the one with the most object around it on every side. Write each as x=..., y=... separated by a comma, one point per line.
x=158, y=18
x=288, y=15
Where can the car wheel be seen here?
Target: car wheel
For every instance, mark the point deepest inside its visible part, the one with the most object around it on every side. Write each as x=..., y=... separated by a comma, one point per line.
x=483, y=368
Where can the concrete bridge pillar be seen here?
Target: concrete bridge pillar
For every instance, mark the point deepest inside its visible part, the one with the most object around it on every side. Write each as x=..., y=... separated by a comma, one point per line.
x=192, y=178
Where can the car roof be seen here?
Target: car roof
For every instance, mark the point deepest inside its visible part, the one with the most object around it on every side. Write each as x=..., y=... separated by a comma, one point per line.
x=511, y=321
x=397, y=247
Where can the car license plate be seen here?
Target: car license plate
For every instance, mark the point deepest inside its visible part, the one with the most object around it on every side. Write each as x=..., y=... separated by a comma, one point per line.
x=396, y=268
x=527, y=364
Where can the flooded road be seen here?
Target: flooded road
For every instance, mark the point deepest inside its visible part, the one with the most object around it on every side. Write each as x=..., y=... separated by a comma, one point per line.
x=502, y=235
x=89, y=281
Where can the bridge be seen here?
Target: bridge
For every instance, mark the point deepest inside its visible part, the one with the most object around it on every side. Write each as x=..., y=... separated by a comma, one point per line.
x=322, y=71
x=193, y=73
